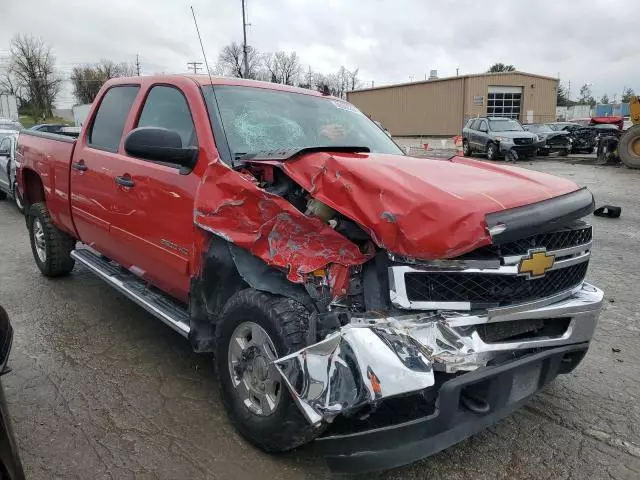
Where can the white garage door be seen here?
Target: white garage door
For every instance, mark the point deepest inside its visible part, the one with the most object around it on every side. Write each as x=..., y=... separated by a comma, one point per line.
x=504, y=102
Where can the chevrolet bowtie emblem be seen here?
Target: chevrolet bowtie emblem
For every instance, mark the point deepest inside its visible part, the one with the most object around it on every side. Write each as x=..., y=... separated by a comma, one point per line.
x=535, y=264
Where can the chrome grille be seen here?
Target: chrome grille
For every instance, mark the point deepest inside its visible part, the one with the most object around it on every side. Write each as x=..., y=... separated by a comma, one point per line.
x=490, y=277
x=488, y=289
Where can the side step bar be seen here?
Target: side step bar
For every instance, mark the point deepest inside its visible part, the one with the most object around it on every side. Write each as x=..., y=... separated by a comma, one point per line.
x=153, y=301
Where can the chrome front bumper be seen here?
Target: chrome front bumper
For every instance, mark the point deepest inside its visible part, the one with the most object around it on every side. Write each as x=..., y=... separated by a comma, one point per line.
x=375, y=358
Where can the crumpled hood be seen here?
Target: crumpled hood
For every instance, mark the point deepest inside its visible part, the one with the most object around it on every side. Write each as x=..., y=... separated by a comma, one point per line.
x=423, y=208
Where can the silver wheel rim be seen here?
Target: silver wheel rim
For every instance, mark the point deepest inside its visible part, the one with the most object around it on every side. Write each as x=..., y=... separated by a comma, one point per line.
x=253, y=373
x=38, y=240
x=465, y=148
x=490, y=152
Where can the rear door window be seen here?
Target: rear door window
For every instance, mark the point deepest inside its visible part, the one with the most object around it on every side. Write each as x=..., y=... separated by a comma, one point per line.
x=474, y=125
x=166, y=107
x=108, y=124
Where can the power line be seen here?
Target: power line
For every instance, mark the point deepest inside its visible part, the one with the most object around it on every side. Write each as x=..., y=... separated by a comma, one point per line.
x=195, y=65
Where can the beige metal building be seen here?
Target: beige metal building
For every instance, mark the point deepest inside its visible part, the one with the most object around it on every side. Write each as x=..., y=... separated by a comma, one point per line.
x=441, y=106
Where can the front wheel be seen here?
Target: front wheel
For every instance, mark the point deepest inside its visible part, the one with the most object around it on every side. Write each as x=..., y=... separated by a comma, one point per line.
x=564, y=153
x=255, y=329
x=492, y=151
x=466, y=148
x=51, y=247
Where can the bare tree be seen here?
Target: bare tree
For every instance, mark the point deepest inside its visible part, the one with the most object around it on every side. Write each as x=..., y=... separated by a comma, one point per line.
x=31, y=74
x=501, y=67
x=230, y=61
x=353, y=79
x=88, y=79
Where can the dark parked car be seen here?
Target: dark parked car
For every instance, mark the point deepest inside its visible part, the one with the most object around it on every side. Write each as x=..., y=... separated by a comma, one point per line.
x=48, y=127
x=550, y=140
x=497, y=136
x=583, y=138
x=10, y=466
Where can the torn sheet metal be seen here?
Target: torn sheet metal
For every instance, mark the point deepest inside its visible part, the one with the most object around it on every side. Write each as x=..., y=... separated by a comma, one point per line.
x=233, y=207
x=420, y=207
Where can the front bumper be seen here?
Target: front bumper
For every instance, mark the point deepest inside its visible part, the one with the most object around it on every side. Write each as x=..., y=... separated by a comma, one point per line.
x=508, y=387
x=529, y=149
x=374, y=358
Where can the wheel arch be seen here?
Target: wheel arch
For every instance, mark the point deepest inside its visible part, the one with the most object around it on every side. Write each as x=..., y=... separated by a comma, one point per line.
x=226, y=270
x=32, y=188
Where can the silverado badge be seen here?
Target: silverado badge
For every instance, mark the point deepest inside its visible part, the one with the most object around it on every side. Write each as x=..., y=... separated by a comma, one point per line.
x=535, y=264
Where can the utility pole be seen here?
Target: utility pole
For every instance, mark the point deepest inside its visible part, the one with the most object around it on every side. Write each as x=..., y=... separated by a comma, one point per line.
x=195, y=65
x=138, y=64
x=569, y=90
x=244, y=42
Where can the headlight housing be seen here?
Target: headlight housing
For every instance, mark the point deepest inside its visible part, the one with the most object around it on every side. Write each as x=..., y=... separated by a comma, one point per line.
x=504, y=139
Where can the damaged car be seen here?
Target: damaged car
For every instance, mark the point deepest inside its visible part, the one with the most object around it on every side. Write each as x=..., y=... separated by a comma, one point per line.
x=381, y=306
x=549, y=140
x=497, y=137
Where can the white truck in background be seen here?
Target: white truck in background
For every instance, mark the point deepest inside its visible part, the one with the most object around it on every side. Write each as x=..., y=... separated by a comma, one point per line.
x=8, y=106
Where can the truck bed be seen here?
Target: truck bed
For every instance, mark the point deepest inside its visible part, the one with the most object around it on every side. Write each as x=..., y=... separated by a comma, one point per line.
x=49, y=155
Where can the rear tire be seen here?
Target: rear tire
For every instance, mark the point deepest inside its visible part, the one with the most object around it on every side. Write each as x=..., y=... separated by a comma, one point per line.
x=3, y=195
x=492, y=151
x=51, y=247
x=281, y=426
x=18, y=199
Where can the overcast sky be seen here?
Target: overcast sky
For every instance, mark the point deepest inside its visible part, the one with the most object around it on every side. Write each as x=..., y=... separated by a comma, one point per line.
x=391, y=41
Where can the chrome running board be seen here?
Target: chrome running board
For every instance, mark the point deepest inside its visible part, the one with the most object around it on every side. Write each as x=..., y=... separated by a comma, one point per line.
x=152, y=300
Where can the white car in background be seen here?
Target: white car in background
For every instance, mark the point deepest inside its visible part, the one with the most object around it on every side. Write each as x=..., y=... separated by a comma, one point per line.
x=8, y=141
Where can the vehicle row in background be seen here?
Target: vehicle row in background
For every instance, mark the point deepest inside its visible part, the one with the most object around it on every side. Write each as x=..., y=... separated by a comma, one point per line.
x=497, y=137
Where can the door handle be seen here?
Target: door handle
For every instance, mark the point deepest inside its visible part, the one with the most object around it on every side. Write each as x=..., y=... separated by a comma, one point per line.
x=79, y=166
x=125, y=181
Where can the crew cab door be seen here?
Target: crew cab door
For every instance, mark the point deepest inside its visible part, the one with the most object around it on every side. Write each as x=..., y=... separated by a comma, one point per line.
x=92, y=183
x=152, y=211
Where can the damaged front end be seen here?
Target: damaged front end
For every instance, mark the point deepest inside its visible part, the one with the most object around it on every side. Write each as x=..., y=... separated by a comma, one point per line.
x=372, y=359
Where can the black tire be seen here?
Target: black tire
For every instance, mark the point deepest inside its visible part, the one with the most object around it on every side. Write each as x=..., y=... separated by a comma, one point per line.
x=286, y=322
x=492, y=151
x=57, y=245
x=3, y=195
x=628, y=147
x=564, y=153
x=466, y=149
x=17, y=199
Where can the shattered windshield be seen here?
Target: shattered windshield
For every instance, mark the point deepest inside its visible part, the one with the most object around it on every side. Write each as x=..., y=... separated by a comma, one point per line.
x=258, y=119
x=506, y=125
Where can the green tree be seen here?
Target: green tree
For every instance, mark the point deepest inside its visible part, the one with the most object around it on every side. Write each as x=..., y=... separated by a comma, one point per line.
x=562, y=99
x=501, y=67
x=627, y=94
x=605, y=99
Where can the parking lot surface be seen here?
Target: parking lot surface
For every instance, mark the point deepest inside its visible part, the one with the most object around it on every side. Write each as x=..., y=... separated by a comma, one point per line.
x=100, y=389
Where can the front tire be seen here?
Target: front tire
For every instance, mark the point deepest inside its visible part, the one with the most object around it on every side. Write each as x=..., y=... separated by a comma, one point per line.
x=51, y=247
x=466, y=148
x=492, y=151
x=256, y=328
x=564, y=153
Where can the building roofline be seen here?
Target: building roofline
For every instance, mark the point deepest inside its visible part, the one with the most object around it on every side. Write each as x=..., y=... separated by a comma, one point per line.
x=459, y=77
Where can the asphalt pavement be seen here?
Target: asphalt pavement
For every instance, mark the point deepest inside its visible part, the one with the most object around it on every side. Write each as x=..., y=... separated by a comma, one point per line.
x=102, y=390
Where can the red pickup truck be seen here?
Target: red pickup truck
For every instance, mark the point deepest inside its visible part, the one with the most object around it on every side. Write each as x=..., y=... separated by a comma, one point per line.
x=383, y=306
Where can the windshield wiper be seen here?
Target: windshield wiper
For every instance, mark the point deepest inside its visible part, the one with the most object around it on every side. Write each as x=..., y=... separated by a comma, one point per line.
x=288, y=153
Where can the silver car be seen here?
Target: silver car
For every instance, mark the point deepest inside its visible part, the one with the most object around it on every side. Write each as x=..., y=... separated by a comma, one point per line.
x=8, y=168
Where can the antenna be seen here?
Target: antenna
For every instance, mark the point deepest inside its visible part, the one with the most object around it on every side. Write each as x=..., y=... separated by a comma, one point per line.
x=206, y=64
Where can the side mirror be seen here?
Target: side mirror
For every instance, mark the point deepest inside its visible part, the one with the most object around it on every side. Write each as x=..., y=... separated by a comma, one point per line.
x=160, y=145
x=6, y=339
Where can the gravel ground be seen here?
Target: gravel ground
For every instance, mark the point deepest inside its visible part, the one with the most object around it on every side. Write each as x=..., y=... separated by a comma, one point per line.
x=100, y=389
